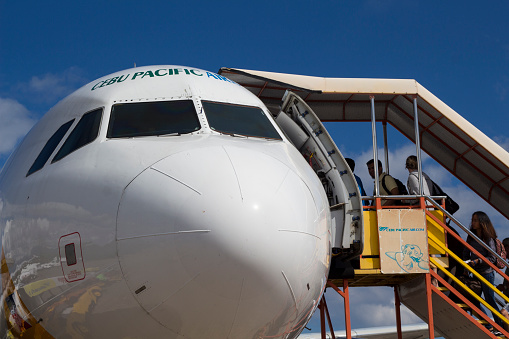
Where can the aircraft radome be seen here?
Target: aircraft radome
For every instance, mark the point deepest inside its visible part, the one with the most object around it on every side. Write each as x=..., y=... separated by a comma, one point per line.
x=161, y=202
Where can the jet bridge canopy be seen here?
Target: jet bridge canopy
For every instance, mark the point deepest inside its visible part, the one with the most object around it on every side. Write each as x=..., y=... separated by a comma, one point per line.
x=445, y=135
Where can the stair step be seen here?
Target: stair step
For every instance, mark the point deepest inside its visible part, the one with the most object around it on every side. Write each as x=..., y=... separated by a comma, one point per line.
x=463, y=305
x=442, y=288
x=482, y=322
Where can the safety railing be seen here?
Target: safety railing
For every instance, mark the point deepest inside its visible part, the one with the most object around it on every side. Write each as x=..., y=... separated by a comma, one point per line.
x=432, y=203
x=453, y=219
x=428, y=204
x=468, y=268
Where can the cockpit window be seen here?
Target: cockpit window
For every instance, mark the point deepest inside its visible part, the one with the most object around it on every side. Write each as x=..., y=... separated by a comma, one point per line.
x=50, y=146
x=236, y=119
x=152, y=118
x=85, y=132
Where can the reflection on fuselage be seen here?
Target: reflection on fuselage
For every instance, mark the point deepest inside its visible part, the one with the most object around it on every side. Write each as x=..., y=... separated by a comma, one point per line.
x=207, y=226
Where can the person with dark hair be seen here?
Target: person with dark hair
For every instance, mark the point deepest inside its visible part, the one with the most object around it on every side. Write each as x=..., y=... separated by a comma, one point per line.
x=388, y=185
x=413, y=179
x=351, y=164
x=482, y=227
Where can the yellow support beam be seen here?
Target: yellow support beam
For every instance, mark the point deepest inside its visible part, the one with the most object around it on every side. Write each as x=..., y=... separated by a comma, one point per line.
x=469, y=268
x=437, y=230
x=481, y=300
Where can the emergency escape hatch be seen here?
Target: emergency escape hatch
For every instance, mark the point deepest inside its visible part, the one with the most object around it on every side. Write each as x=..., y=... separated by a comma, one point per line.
x=71, y=258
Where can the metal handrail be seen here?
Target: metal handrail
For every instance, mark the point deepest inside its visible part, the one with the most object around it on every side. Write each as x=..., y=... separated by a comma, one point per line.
x=431, y=199
x=399, y=197
x=458, y=294
x=468, y=267
x=498, y=293
x=457, y=222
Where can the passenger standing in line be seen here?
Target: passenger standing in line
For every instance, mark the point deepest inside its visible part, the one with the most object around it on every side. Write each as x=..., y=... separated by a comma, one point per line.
x=427, y=189
x=413, y=180
x=413, y=189
x=351, y=164
x=482, y=227
x=390, y=183
x=504, y=287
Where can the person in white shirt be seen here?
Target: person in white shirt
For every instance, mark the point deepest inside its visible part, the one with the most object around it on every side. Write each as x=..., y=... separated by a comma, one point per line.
x=413, y=180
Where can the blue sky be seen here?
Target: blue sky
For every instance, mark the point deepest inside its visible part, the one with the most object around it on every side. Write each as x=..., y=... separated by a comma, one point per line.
x=457, y=50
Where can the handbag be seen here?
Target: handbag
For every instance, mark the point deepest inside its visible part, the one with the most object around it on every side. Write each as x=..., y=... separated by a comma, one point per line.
x=471, y=282
x=451, y=206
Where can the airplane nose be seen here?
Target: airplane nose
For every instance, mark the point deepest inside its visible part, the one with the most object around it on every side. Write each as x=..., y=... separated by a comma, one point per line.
x=222, y=240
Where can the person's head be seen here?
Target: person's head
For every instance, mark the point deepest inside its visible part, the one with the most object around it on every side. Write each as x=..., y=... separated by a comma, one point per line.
x=481, y=225
x=371, y=167
x=411, y=163
x=351, y=163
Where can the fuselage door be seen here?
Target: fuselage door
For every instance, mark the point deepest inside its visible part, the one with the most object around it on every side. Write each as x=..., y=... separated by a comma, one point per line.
x=309, y=136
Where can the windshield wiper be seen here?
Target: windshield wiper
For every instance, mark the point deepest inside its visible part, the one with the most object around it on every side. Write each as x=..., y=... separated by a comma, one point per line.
x=169, y=135
x=234, y=134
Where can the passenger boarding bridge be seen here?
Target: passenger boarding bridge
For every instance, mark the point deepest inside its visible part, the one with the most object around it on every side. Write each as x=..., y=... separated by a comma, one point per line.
x=392, y=245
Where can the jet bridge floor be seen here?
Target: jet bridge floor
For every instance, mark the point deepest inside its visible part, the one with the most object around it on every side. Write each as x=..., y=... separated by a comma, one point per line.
x=374, y=277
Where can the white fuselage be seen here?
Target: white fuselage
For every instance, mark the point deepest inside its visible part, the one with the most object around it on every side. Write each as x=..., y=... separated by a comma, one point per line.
x=202, y=234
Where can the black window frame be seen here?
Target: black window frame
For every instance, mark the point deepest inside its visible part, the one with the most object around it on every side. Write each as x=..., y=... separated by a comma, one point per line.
x=50, y=147
x=72, y=143
x=155, y=112
x=276, y=135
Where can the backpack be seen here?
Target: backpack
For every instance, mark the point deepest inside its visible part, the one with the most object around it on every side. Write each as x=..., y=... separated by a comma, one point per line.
x=451, y=206
x=401, y=187
x=501, y=252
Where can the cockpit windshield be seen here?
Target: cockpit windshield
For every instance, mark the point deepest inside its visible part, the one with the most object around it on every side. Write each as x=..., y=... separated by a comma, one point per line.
x=236, y=119
x=152, y=118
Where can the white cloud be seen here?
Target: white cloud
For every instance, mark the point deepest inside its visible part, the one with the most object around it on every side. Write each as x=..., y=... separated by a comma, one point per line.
x=374, y=306
x=53, y=86
x=503, y=141
x=468, y=201
x=369, y=307
x=384, y=314
x=501, y=88
x=397, y=160
x=16, y=121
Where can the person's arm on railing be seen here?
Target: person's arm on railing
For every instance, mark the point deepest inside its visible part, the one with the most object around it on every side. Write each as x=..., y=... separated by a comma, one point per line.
x=479, y=264
x=466, y=254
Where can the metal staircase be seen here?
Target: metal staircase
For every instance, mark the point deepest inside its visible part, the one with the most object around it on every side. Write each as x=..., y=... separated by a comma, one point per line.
x=438, y=297
x=451, y=320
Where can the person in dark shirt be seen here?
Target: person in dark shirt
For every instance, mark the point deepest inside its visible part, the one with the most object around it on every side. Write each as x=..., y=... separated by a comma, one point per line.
x=351, y=164
x=482, y=227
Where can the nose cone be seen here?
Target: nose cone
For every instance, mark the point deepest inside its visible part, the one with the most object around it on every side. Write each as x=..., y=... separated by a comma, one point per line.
x=225, y=241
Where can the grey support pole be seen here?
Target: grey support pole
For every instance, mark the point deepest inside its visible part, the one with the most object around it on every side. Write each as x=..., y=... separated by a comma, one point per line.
x=386, y=148
x=375, y=149
x=418, y=143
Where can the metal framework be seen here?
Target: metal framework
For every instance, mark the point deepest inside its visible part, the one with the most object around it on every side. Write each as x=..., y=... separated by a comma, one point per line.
x=399, y=103
x=457, y=145
x=432, y=289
